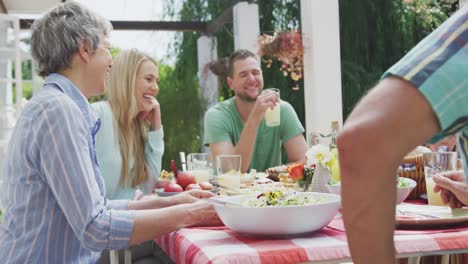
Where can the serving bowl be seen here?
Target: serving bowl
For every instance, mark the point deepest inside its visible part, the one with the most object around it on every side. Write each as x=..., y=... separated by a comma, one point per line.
x=404, y=188
x=278, y=221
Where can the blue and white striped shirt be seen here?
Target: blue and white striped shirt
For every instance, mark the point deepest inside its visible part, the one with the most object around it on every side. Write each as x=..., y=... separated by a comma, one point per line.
x=52, y=195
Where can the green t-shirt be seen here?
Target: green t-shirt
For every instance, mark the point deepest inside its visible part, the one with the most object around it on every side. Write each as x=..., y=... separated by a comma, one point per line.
x=223, y=123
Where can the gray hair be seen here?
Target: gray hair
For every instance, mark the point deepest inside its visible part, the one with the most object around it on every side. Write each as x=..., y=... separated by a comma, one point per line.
x=56, y=37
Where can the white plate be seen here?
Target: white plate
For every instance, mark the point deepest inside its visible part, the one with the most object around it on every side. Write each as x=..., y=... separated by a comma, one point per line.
x=162, y=193
x=427, y=216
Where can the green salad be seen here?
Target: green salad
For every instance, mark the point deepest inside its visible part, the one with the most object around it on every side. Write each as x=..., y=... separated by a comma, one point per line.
x=402, y=182
x=279, y=197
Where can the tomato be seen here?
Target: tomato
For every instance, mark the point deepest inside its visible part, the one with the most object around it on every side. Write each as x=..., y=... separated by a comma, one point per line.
x=173, y=187
x=185, y=178
x=296, y=171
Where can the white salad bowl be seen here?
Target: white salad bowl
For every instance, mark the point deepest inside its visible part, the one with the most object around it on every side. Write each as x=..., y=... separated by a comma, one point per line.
x=274, y=221
x=405, y=186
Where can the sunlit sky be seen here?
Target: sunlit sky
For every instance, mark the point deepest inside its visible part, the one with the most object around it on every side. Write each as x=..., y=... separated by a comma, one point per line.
x=156, y=43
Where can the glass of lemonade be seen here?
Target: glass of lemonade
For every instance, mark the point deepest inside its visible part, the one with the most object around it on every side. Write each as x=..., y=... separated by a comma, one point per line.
x=200, y=166
x=436, y=163
x=272, y=116
x=228, y=168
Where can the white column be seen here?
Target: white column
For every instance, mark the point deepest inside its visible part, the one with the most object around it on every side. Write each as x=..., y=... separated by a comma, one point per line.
x=322, y=69
x=35, y=82
x=3, y=61
x=18, y=71
x=9, y=83
x=207, y=52
x=246, y=26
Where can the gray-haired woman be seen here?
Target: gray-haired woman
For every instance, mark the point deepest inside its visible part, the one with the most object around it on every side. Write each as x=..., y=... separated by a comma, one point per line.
x=53, y=196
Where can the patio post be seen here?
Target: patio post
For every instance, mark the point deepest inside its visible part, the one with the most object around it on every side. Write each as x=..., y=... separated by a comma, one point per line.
x=4, y=62
x=322, y=68
x=207, y=52
x=246, y=26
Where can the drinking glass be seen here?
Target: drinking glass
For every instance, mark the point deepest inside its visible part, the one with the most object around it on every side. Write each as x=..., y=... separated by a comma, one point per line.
x=316, y=138
x=200, y=166
x=228, y=169
x=272, y=116
x=436, y=163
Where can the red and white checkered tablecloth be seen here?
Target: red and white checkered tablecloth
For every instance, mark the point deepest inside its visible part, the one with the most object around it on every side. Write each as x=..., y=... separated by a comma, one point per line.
x=222, y=245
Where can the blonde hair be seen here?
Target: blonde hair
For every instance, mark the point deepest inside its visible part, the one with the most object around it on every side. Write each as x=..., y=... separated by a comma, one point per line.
x=133, y=132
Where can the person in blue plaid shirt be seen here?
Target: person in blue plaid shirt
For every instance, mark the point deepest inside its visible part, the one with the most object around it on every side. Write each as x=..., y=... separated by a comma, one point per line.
x=423, y=97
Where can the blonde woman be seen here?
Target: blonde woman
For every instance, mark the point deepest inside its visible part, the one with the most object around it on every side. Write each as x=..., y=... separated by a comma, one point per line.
x=129, y=144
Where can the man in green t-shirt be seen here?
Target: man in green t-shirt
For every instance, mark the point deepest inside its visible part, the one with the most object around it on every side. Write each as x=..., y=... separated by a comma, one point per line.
x=237, y=125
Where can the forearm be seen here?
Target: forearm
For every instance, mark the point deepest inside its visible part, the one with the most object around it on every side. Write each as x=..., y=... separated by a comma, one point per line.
x=154, y=150
x=154, y=203
x=150, y=224
x=370, y=153
x=246, y=144
x=369, y=214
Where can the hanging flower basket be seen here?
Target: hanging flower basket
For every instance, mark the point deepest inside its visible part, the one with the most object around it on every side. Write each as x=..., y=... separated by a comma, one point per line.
x=286, y=47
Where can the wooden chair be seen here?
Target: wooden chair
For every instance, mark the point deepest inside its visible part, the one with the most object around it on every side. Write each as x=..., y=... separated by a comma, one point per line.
x=114, y=256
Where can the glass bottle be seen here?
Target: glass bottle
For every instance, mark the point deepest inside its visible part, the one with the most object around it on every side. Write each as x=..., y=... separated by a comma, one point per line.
x=335, y=129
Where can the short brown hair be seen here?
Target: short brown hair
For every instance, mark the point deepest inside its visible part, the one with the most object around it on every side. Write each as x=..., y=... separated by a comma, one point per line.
x=240, y=54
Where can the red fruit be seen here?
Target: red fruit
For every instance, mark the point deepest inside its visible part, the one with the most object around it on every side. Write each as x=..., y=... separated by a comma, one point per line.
x=296, y=171
x=173, y=187
x=185, y=178
x=193, y=186
x=206, y=186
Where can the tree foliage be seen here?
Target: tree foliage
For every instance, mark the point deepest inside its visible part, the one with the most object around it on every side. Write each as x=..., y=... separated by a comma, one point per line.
x=374, y=34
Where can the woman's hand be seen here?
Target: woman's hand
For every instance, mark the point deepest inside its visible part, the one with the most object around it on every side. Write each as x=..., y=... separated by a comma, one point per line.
x=202, y=213
x=453, y=188
x=153, y=116
x=191, y=196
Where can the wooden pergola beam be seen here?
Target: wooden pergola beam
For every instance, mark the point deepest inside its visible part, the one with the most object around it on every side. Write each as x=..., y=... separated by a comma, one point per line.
x=160, y=25
x=219, y=22
x=208, y=28
x=3, y=9
x=144, y=25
